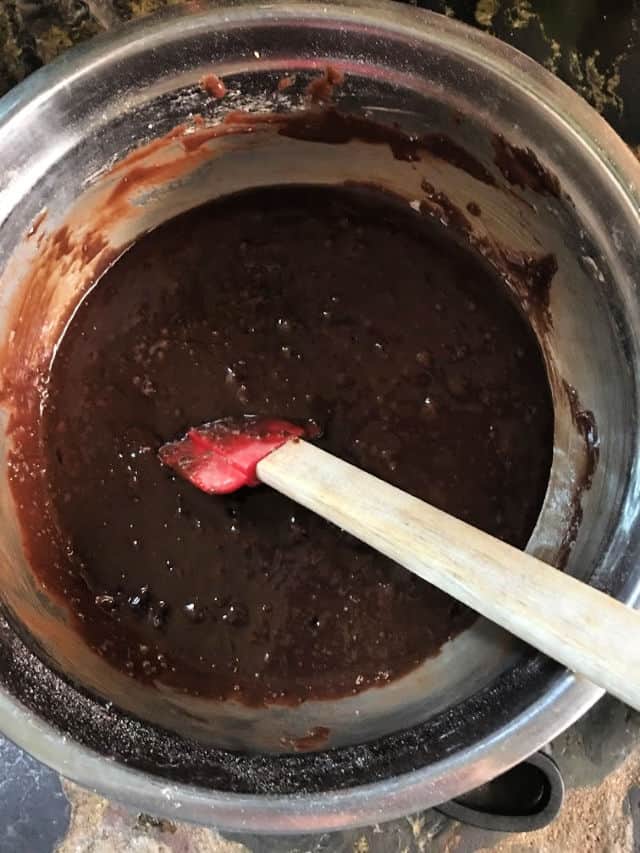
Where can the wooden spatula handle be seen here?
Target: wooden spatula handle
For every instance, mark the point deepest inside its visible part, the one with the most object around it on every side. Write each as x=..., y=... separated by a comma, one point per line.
x=584, y=629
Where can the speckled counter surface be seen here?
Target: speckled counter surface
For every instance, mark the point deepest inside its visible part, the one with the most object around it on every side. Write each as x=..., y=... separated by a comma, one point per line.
x=594, y=45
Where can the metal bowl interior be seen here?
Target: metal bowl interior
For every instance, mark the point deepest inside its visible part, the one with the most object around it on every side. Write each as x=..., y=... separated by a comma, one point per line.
x=484, y=702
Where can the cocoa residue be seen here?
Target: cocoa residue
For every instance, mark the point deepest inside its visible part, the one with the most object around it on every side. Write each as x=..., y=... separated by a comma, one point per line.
x=286, y=82
x=332, y=127
x=585, y=422
x=529, y=276
x=213, y=85
x=315, y=738
x=440, y=206
x=322, y=89
x=536, y=273
x=443, y=147
x=521, y=167
x=327, y=126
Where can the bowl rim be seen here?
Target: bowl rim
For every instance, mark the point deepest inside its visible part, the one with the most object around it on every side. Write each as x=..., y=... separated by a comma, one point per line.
x=568, y=697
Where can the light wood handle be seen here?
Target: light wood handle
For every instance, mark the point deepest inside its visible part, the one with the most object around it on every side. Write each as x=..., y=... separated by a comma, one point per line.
x=584, y=629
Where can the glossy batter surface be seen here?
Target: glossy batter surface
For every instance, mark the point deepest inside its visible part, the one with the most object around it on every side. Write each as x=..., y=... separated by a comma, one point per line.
x=335, y=305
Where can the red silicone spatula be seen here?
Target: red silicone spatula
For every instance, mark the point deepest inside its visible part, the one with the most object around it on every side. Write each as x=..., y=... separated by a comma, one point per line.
x=582, y=628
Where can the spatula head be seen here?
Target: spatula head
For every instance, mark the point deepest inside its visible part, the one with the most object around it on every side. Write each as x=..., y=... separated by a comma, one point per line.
x=221, y=457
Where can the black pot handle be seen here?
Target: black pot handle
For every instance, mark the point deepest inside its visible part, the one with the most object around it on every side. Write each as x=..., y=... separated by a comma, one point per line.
x=527, y=797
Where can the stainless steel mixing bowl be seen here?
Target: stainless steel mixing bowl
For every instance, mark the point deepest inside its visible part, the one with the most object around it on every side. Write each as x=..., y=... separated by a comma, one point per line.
x=485, y=702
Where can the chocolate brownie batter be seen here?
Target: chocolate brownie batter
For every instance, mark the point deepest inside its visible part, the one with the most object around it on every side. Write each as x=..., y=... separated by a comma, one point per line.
x=336, y=305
